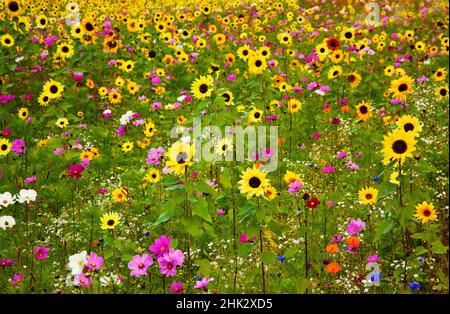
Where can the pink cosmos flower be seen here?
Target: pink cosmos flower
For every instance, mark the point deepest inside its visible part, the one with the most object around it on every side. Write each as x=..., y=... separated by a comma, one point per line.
x=139, y=264
x=161, y=246
x=169, y=261
x=220, y=212
x=41, y=252
x=31, y=179
x=18, y=146
x=16, y=279
x=295, y=186
x=93, y=261
x=244, y=238
x=328, y=169
x=203, y=283
x=373, y=258
x=342, y=154
x=82, y=280
x=176, y=287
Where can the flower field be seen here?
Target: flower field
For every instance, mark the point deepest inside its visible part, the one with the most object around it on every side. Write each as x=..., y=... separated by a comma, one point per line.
x=200, y=147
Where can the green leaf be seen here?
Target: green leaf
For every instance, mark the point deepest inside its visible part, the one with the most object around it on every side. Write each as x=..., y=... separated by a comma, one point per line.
x=420, y=250
x=244, y=249
x=268, y=258
x=438, y=248
x=201, y=209
x=164, y=216
x=423, y=166
x=419, y=235
x=204, y=188
x=384, y=227
x=260, y=214
x=290, y=252
x=205, y=267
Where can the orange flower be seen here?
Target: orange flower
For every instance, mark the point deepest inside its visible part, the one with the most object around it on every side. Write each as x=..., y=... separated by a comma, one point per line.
x=333, y=268
x=332, y=248
x=345, y=108
x=353, y=242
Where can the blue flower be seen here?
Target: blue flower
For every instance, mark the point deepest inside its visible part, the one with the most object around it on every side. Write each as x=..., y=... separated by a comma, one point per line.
x=376, y=179
x=414, y=285
x=281, y=258
x=147, y=234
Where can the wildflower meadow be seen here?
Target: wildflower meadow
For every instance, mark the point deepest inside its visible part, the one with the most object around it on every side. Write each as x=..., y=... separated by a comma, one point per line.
x=224, y=147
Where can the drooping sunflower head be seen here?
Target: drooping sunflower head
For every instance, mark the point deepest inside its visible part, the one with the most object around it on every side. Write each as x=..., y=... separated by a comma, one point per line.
x=425, y=212
x=398, y=145
x=368, y=195
x=253, y=182
x=109, y=220
x=409, y=124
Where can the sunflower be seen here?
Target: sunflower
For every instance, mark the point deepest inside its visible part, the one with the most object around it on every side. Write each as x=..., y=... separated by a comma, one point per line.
x=119, y=194
x=88, y=26
x=363, y=111
x=7, y=40
x=401, y=87
x=425, y=212
x=294, y=105
x=23, y=113
x=347, y=35
x=109, y=220
x=368, y=195
x=14, y=7
x=256, y=64
x=224, y=146
x=44, y=99
x=285, y=39
x=264, y=52
x=65, y=50
x=291, y=177
x=394, y=178
x=114, y=97
x=202, y=87
x=255, y=115
x=41, y=21
x=354, y=79
x=439, y=75
x=442, y=92
x=180, y=156
x=334, y=72
x=270, y=193
x=244, y=52
x=389, y=70
x=127, y=147
x=149, y=128
x=53, y=89
x=398, y=145
x=62, y=123
x=152, y=176
x=5, y=146
x=228, y=96
x=337, y=56
x=77, y=32
x=253, y=182
x=86, y=154
x=333, y=43
x=409, y=124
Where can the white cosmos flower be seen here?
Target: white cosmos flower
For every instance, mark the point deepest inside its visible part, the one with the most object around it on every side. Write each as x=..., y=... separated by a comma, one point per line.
x=6, y=199
x=109, y=280
x=125, y=118
x=77, y=262
x=26, y=196
x=7, y=222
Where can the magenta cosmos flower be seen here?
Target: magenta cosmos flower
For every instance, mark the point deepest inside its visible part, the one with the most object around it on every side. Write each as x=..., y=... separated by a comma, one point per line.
x=16, y=279
x=161, y=246
x=41, y=252
x=168, y=262
x=93, y=261
x=18, y=146
x=244, y=238
x=75, y=171
x=139, y=264
x=82, y=280
x=6, y=262
x=176, y=287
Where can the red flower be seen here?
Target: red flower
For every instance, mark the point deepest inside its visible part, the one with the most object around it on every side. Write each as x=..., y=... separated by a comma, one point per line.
x=313, y=202
x=75, y=171
x=333, y=43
